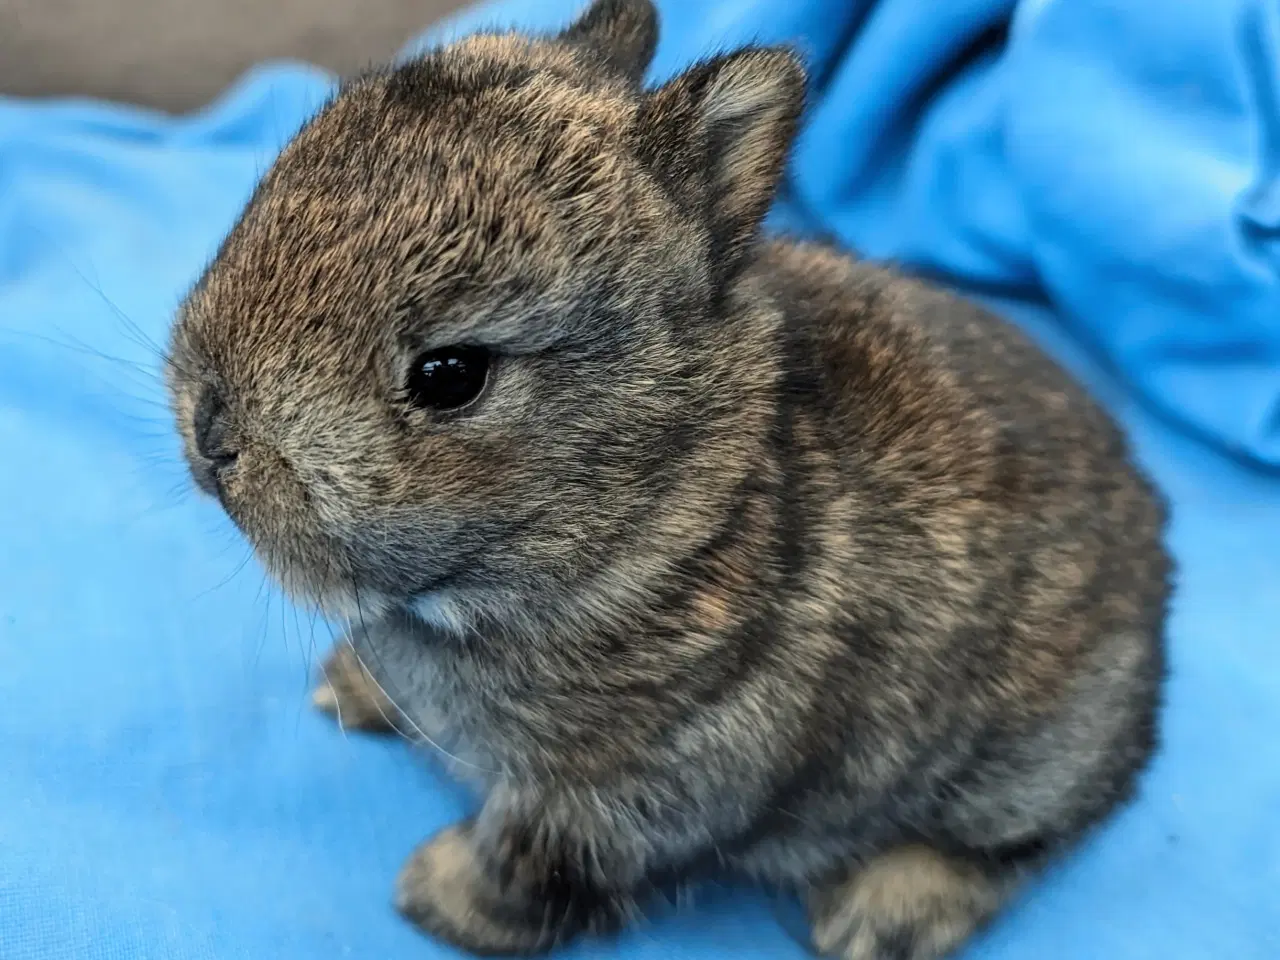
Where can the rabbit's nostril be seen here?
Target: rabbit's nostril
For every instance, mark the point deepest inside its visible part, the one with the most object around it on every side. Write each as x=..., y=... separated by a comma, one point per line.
x=212, y=431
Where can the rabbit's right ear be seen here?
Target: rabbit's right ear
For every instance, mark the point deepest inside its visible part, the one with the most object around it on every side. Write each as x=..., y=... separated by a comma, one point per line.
x=623, y=32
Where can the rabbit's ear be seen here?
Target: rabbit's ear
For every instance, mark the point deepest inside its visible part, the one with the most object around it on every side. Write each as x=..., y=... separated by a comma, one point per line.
x=723, y=129
x=623, y=32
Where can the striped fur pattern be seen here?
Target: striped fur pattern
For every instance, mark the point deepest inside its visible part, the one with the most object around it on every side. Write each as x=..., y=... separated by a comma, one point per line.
x=751, y=558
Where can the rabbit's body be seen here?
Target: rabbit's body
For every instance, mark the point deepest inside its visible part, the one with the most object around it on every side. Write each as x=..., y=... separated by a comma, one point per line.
x=746, y=557
x=901, y=633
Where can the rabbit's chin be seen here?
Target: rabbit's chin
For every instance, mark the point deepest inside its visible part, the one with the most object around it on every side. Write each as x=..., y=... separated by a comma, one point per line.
x=336, y=599
x=440, y=611
x=345, y=592
x=353, y=606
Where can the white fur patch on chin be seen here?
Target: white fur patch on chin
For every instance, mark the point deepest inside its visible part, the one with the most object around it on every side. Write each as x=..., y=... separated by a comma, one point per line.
x=441, y=611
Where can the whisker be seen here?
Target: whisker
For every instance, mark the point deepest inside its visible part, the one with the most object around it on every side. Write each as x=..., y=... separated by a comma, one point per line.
x=248, y=555
x=75, y=345
x=132, y=330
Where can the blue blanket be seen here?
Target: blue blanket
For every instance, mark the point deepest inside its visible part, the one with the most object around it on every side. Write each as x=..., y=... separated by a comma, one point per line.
x=1099, y=171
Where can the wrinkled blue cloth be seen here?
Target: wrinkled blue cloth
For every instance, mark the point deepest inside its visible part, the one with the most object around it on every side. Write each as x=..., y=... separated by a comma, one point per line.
x=165, y=791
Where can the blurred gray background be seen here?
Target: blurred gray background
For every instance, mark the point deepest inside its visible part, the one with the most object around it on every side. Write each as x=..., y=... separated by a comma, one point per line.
x=178, y=54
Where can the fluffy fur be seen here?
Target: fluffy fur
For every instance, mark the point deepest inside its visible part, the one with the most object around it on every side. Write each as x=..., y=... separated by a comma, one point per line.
x=750, y=558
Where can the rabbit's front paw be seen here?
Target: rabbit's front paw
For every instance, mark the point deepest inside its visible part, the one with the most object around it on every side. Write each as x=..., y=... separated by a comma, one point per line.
x=909, y=904
x=446, y=891
x=348, y=693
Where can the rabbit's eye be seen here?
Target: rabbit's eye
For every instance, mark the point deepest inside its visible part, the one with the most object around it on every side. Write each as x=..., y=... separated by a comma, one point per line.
x=449, y=378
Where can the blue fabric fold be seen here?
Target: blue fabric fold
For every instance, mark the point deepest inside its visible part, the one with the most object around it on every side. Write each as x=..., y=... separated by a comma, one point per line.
x=165, y=792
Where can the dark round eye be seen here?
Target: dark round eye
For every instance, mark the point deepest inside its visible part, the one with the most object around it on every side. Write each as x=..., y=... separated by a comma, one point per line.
x=448, y=378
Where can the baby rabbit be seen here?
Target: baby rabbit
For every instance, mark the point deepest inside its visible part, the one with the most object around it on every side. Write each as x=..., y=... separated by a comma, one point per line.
x=704, y=554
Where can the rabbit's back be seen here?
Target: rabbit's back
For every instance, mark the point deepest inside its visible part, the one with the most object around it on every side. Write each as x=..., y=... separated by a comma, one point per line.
x=982, y=564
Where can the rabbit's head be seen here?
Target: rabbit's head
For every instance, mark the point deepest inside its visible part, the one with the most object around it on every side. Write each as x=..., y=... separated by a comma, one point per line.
x=486, y=330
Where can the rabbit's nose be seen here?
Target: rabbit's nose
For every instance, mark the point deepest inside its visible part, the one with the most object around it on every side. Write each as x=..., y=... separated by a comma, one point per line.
x=212, y=431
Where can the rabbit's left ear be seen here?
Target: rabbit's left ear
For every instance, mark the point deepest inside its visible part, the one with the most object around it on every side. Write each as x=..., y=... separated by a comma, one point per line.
x=623, y=32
